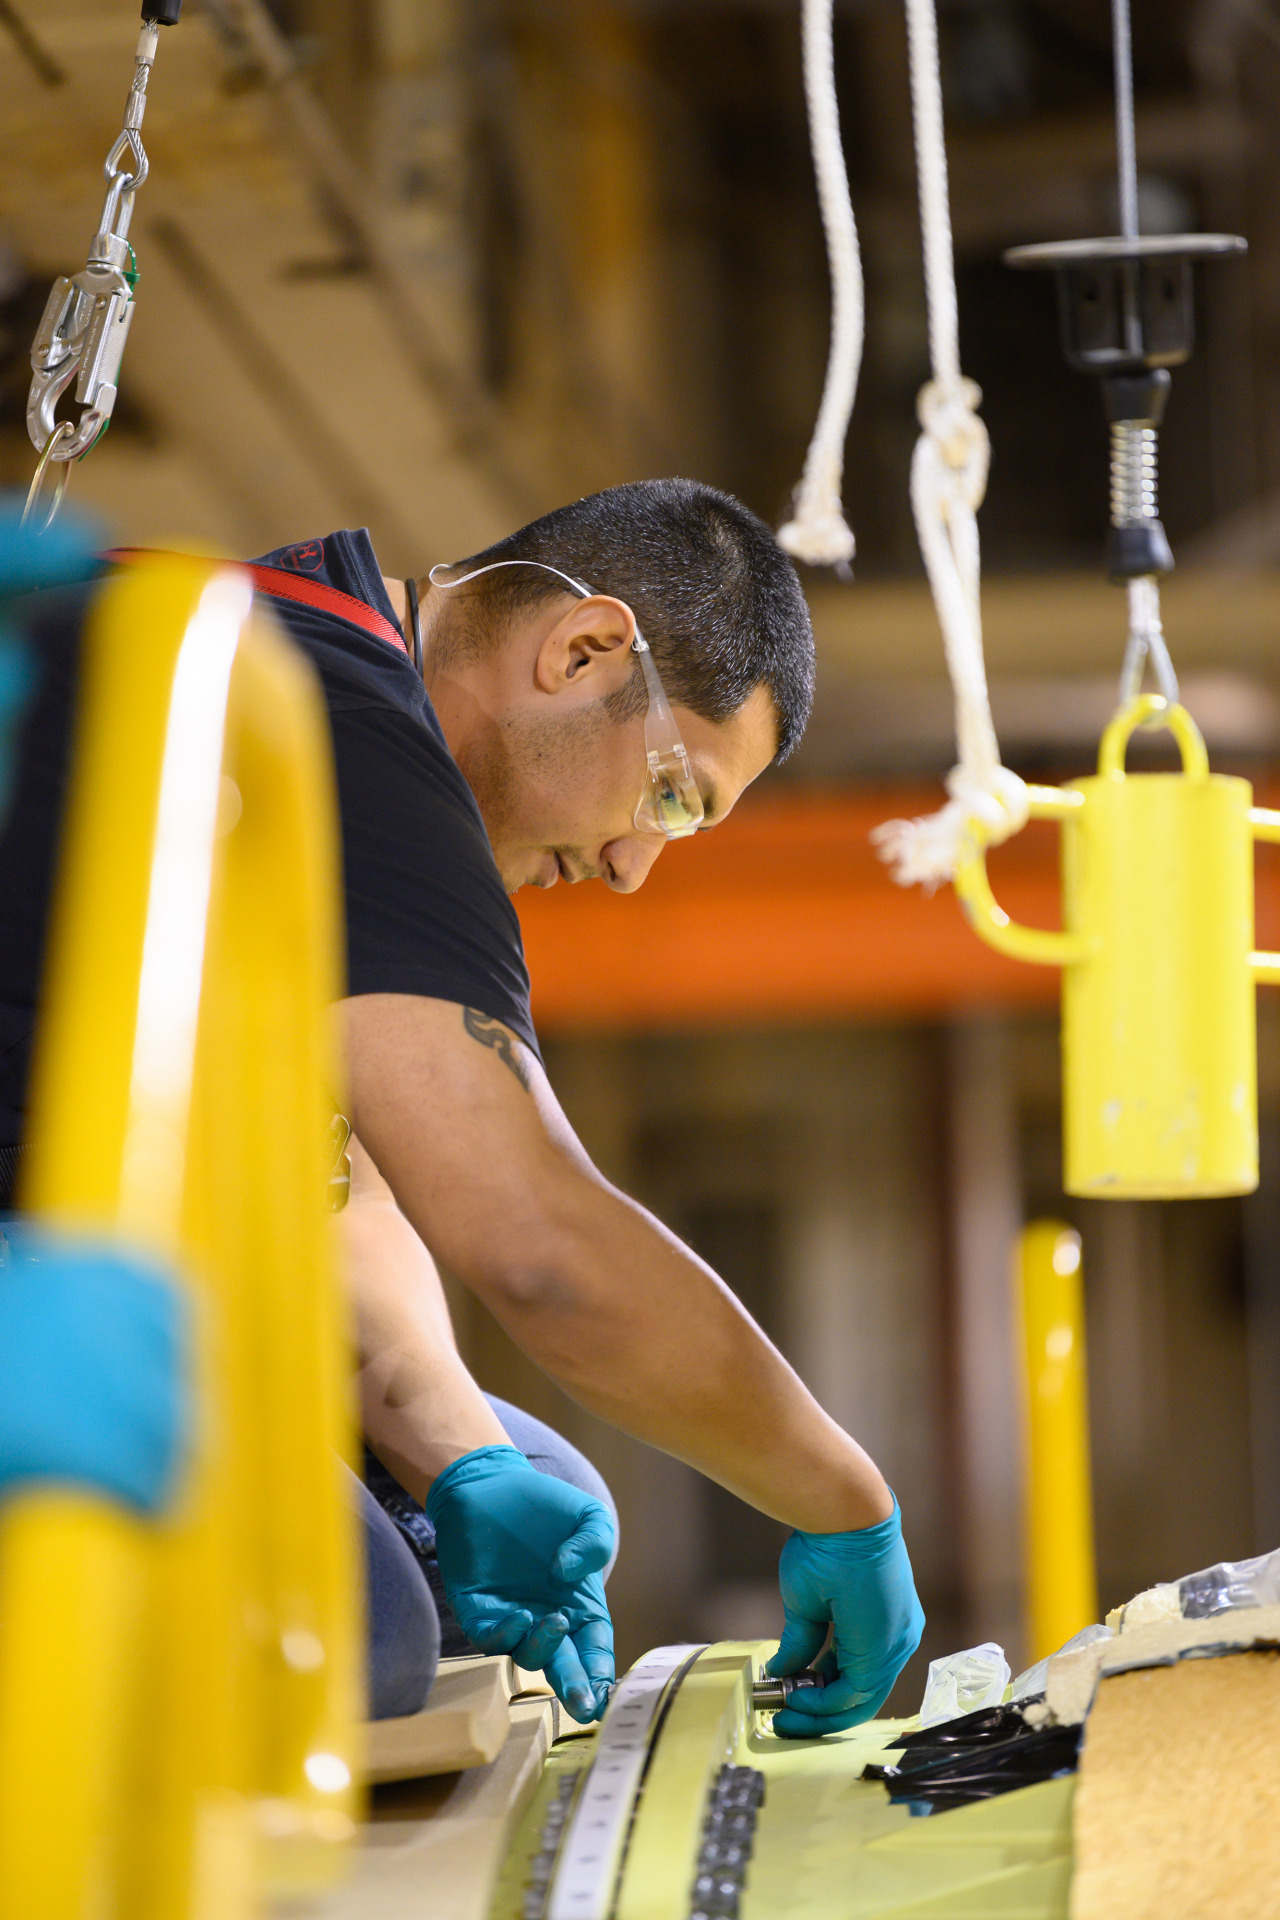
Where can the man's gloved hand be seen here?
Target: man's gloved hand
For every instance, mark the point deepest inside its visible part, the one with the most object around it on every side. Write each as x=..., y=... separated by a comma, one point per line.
x=860, y=1583
x=93, y=1380
x=521, y=1555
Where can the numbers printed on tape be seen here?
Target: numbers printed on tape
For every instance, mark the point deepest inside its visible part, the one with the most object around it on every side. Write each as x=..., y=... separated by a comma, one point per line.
x=592, y=1850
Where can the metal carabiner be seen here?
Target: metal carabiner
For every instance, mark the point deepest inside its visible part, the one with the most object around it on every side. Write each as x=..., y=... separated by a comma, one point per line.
x=86, y=320
x=81, y=337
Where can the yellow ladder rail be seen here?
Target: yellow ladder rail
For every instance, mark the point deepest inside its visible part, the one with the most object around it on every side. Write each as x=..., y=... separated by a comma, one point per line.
x=180, y=1106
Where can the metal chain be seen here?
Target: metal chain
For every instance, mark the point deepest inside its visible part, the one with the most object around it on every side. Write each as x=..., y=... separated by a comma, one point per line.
x=86, y=321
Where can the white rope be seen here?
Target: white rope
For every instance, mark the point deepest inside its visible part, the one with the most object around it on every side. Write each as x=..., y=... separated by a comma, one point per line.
x=817, y=531
x=948, y=480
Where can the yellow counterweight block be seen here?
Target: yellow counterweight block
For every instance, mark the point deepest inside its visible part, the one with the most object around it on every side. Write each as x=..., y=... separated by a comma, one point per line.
x=178, y=1698
x=1158, y=1014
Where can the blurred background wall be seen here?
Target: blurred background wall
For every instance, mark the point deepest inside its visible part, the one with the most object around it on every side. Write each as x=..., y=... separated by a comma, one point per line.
x=435, y=266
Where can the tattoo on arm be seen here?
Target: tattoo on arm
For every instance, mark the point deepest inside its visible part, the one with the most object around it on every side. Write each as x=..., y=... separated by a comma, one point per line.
x=491, y=1033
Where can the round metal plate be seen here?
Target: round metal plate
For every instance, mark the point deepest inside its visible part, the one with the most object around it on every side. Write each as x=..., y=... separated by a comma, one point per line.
x=1154, y=246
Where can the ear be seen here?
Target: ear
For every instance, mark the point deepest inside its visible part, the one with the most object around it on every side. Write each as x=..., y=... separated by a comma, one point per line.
x=588, y=649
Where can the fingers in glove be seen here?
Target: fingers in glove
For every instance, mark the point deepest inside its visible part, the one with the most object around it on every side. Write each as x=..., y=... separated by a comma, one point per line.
x=537, y=1647
x=801, y=1643
x=789, y=1725
x=495, y=1633
x=571, y=1682
x=841, y=1695
x=594, y=1643
x=588, y=1548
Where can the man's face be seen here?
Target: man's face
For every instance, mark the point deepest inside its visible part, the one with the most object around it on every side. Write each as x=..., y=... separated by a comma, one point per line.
x=559, y=797
x=557, y=778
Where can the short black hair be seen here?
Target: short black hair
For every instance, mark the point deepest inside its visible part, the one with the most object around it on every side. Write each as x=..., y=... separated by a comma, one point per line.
x=716, y=598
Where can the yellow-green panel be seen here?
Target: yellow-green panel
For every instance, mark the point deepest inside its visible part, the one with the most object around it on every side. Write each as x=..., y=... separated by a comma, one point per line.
x=828, y=1845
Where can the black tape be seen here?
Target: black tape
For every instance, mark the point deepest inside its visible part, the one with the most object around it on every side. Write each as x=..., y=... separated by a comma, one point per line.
x=976, y=1757
x=162, y=13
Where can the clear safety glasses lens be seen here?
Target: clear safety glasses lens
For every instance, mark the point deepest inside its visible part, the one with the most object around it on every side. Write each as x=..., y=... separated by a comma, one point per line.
x=671, y=803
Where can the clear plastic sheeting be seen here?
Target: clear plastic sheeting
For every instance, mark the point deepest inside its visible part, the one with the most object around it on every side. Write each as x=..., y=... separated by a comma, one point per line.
x=1225, y=1588
x=964, y=1682
x=1031, y=1684
x=1231, y=1584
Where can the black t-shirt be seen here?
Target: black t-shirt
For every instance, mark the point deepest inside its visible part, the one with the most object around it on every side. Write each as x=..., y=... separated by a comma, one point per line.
x=426, y=911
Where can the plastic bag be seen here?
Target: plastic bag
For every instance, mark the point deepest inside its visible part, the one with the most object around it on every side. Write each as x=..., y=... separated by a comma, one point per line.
x=963, y=1682
x=1199, y=1596
x=1231, y=1584
x=1033, y=1682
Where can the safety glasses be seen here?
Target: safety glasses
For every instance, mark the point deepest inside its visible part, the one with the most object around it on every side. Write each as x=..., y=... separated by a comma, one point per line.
x=671, y=803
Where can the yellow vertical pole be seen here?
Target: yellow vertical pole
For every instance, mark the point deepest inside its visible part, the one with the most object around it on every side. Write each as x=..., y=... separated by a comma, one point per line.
x=1061, y=1583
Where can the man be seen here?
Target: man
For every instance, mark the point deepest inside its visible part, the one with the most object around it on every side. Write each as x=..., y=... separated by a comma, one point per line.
x=610, y=677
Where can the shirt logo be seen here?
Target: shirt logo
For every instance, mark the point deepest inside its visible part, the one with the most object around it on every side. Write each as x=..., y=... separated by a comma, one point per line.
x=307, y=558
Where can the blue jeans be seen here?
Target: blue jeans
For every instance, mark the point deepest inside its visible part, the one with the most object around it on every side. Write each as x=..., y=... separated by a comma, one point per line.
x=410, y=1625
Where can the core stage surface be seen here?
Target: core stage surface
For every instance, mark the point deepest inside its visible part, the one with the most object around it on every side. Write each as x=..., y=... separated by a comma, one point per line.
x=684, y=1803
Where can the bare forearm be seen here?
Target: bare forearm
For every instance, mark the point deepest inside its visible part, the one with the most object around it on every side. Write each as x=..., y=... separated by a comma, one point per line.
x=631, y=1324
x=420, y=1408
x=702, y=1379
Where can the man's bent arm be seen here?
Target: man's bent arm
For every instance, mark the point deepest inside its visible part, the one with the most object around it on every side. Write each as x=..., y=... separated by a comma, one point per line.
x=463, y=1124
x=419, y=1406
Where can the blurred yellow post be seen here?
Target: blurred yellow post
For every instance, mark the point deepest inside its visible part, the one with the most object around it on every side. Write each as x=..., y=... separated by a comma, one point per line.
x=1061, y=1585
x=179, y=1697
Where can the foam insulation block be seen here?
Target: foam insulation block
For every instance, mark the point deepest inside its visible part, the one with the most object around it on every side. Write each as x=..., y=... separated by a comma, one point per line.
x=1073, y=1677
x=1177, y=1809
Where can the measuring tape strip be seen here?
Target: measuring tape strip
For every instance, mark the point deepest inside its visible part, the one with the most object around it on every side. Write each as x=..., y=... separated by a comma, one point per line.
x=595, y=1839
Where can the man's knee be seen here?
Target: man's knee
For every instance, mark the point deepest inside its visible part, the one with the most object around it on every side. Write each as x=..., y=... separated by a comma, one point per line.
x=550, y=1453
x=403, y=1626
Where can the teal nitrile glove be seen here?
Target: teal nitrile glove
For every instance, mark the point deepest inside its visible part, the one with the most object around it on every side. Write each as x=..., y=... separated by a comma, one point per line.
x=93, y=1378
x=521, y=1554
x=860, y=1584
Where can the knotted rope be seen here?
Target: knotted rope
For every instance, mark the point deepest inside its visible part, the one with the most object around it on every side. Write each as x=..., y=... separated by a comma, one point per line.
x=948, y=481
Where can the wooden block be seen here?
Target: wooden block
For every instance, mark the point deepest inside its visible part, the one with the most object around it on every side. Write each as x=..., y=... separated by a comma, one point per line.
x=1177, y=1810
x=464, y=1723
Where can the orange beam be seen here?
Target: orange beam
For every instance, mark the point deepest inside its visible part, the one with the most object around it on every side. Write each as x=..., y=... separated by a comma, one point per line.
x=784, y=914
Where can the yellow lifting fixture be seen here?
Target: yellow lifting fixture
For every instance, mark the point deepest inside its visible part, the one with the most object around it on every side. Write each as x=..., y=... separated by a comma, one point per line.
x=1158, y=1028
x=1157, y=947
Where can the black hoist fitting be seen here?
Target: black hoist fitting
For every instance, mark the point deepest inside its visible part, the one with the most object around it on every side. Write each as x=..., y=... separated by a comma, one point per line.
x=1126, y=313
x=162, y=13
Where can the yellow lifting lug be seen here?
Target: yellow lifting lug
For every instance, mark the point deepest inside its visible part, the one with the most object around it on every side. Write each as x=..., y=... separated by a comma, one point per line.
x=1159, y=966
